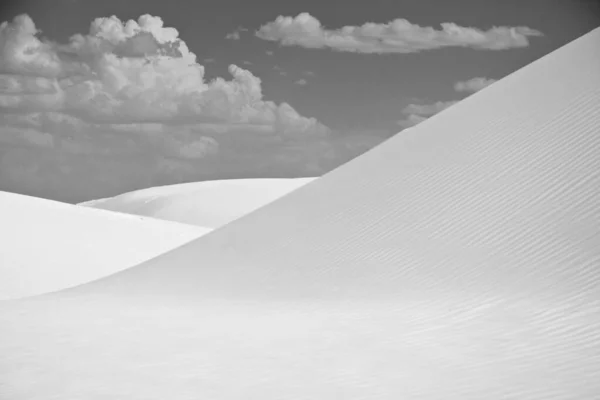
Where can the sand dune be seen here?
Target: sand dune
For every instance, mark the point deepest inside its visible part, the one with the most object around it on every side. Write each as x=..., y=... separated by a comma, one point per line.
x=207, y=204
x=47, y=245
x=458, y=260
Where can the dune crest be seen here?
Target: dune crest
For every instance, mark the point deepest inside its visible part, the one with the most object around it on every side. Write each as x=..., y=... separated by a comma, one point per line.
x=207, y=204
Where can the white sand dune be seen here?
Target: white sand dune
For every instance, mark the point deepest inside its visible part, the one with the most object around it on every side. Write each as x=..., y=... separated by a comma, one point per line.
x=459, y=260
x=207, y=204
x=47, y=245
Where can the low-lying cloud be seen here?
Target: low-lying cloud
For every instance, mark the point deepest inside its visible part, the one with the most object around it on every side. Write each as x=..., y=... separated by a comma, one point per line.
x=397, y=36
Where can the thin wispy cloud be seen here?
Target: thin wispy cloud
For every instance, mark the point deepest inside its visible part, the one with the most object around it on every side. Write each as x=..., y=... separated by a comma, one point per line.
x=233, y=36
x=417, y=113
x=237, y=34
x=397, y=36
x=280, y=70
x=473, y=85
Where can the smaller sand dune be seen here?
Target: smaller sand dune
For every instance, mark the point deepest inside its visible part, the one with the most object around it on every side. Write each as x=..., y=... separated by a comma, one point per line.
x=47, y=245
x=207, y=204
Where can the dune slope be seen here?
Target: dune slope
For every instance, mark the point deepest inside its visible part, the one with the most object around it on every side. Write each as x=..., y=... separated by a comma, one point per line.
x=458, y=260
x=47, y=245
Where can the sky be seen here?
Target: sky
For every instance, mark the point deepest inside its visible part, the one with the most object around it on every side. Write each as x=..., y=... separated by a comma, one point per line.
x=98, y=98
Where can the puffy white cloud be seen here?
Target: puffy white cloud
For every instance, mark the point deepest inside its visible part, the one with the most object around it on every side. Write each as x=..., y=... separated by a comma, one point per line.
x=397, y=36
x=301, y=82
x=127, y=104
x=130, y=71
x=473, y=85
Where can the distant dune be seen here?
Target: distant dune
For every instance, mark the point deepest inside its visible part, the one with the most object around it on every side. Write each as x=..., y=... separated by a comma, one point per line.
x=207, y=204
x=459, y=260
x=47, y=245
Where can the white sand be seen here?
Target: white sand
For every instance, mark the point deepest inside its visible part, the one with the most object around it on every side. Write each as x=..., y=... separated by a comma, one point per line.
x=47, y=245
x=207, y=204
x=459, y=260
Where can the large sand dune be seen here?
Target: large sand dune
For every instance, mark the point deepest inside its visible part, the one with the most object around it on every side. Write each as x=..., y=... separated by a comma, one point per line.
x=458, y=260
x=47, y=245
x=207, y=204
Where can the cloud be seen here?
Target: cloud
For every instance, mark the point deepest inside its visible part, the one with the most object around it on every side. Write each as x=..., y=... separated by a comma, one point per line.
x=397, y=36
x=473, y=85
x=132, y=94
x=301, y=82
x=236, y=35
x=417, y=113
x=269, y=52
x=126, y=72
x=427, y=110
x=280, y=70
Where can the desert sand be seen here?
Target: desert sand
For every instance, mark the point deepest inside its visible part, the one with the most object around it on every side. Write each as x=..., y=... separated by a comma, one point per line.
x=49, y=245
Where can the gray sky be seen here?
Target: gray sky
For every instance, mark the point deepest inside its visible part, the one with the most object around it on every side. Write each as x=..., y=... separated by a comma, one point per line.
x=165, y=92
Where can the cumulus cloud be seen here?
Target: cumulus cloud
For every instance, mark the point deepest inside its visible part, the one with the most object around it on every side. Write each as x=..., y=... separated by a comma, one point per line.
x=417, y=113
x=131, y=93
x=301, y=82
x=126, y=72
x=473, y=85
x=397, y=36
